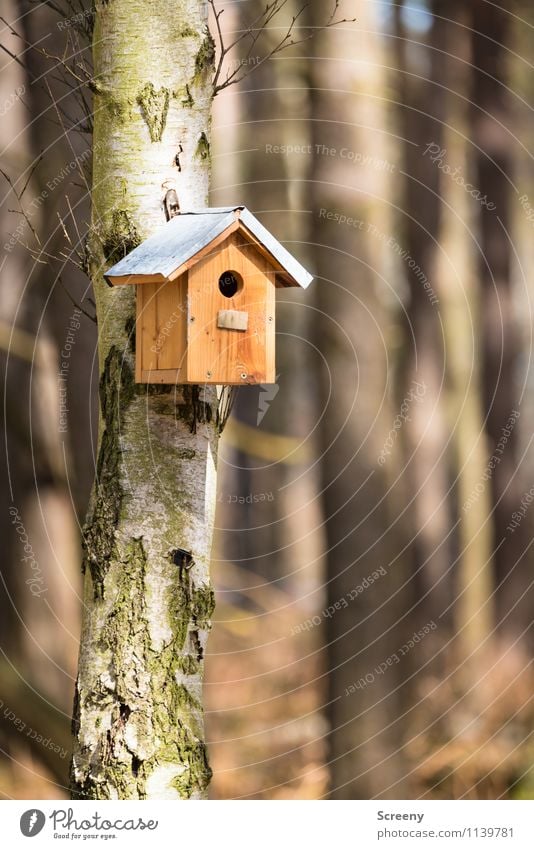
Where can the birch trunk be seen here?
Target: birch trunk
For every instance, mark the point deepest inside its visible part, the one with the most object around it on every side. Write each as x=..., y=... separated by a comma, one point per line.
x=138, y=716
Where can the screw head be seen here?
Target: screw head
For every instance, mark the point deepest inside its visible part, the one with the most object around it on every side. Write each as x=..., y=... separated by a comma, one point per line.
x=208, y=374
x=270, y=318
x=244, y=375
x=192, y=318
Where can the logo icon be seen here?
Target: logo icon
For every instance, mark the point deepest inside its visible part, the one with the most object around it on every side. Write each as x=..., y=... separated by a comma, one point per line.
x=32, y=822
x=268, y=392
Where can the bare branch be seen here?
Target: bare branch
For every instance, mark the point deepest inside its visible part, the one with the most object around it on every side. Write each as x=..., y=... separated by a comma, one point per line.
x=235, y=77
x=252, y=34
x=30, y=175
x=74, y=220
x=260, y=23
x=80, y=18
x=222, y=49
x=257, y=25
x=12, y=55
x=66, y=135
x=72, y=65
x=22, y=211
x=74, y=302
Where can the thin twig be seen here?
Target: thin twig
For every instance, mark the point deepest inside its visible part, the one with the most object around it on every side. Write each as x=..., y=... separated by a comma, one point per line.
x=19, y=200
x=74, y=302
x=254, y=31
x=32, y=172
x=67, y=137
x=13, y=55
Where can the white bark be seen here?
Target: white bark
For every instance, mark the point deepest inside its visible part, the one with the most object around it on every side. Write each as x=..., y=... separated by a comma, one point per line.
x=138, y=717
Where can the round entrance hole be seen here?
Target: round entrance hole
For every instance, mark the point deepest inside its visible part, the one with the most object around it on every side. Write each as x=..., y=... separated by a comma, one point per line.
x=230, y=282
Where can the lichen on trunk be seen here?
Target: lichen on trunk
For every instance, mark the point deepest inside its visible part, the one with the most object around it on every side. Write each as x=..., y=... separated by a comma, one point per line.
x=138, y=721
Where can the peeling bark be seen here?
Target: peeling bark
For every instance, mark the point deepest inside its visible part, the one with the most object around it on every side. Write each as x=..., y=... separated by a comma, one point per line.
x=138, y=720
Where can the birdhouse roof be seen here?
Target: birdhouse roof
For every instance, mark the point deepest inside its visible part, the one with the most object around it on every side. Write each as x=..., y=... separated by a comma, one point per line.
x=177, y=245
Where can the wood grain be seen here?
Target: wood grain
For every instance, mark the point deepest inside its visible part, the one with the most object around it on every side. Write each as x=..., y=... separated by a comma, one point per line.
x=217, y=355
x=161, y=335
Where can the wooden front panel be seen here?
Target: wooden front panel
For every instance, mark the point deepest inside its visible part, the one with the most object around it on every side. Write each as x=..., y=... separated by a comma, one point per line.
x=161, y=343
x=226, y=355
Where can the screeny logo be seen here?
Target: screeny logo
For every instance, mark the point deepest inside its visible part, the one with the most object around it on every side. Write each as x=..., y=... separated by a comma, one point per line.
x=32, y=822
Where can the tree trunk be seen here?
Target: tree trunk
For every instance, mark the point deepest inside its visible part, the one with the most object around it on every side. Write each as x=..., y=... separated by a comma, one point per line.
x=39, y=576
x=138, y=715
x=473, y=616
x=268, y=560
x=428, y=455
x=362, y=499
x=494, y=141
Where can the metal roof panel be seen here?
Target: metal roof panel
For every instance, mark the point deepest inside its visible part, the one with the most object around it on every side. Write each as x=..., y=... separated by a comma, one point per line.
x=181, y=238
x=286, y=260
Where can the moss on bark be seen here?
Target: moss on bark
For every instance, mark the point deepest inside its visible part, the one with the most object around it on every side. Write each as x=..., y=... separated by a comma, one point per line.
x=203, y=147
x=117, y=389
x=146, y=690
x=205, y=56
x=120, y=237
x=154, y=106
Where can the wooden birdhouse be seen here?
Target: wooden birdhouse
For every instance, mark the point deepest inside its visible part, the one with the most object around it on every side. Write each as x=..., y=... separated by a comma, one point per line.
x=206, y=298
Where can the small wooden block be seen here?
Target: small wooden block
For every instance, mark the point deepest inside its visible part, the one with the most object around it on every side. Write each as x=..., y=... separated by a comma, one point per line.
x=232, y=319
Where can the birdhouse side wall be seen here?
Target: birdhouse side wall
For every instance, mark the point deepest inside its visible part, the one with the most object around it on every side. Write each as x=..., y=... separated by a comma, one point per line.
x=219, y=349
x=161, y=332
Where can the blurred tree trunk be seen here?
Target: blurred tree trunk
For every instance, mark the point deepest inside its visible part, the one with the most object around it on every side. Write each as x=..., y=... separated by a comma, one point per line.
x=521, y=82
x=428, y=459
x=273, y=109
x=17, y=352
x=362, y=500
x=494, y=141
x=456, y=272
x=39, y=597
x=270, y=530
x=138, y=712
x=250, y=536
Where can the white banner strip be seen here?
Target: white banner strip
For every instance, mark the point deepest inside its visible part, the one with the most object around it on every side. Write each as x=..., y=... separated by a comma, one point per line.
x=269, y=825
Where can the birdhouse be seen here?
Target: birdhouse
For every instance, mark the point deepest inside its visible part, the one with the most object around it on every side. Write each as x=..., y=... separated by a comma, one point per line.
x=206, y=298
